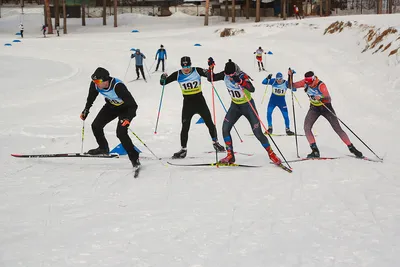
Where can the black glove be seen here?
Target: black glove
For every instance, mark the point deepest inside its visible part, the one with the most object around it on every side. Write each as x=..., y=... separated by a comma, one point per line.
x=211, y=62
x=84, y=114
x=269, y=76
x=163, y=78
x=132, y=56
x=254, y=52
x=237, y=79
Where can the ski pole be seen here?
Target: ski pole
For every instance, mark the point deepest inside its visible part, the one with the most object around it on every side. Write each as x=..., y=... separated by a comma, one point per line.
x=126, y=72
x=351, y=131
x=159, y=107
x=265, y=93
x=153, y=64
x=145, y=65
x=83, y=135
x=213, y=103
x=297, y=100
x=263, y=125
x=226, y=111
x=294, y=113
x=140, y=140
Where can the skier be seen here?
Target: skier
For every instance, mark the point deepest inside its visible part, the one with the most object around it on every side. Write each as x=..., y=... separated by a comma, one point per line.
x=58, y=30
x=119, y=104
x=189, y=79
x=139, y=63
x=44, y=28
x=320, y=102
x=162, y=55
x=279, y=87
x=21, y=30
x=240, y=89
x=296, y=12
x=259, y=53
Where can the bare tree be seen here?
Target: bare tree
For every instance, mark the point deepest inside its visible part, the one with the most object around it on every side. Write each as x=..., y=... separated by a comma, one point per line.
x=104, y=12
x=258, y=4
x=64, y=17
x=48, y=16
x=233, y=11
x=57, y=12
x=115, y=13
x=83, y=13
x=247, y=9
x=206, y=14
x=226, y=11
x=284, y=4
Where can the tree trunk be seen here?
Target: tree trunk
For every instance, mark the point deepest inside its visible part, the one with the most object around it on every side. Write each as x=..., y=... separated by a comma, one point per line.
x=64, y=17
x=327, y=8
x=104, y=12
x=206, y=15
x=379, y=7
x=115, y=13
x=226, y=11
x=233, y=11
x=284, y=4
x=83, y=14
x=320, y=8
x=48, y=17
x=390, y=6
x=247, y=9
x=258, y=4
x=57, y=12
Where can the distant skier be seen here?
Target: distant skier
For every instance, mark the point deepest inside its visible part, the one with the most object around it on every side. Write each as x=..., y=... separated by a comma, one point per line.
x=259, y=54
x=58, y=30
x=119, y=104
x=320, y=105
x=296, y=12
x=44, y=28
x=139, y=63
x=240, y=89
x=162, y=55
x=21, y=30
x=277, y=99
x=189, y=79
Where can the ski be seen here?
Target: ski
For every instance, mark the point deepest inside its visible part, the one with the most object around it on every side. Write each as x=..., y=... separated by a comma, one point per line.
x=214, y=164
x=278, y=134
x=305, y=159
x=65, y=155
x=368, y=159
x=283, y=167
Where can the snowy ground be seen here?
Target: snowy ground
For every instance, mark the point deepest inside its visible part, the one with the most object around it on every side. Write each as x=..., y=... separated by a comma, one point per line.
x=91, y=212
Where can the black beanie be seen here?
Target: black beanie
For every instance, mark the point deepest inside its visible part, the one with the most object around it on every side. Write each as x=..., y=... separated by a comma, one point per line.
x=230, y=67
x=101, y=74
x=185, y=61
x=309, y=74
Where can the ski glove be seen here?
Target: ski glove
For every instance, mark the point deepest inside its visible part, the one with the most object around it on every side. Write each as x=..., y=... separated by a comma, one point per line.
x=125, y=122
x=133, y=55
x=163, y=78
x=269, y=76
x=237, y=79
x=84, y=114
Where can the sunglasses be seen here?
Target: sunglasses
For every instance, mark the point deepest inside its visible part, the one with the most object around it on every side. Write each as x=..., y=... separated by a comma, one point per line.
x=98, y=81
x=186, y=67
x=309, y=80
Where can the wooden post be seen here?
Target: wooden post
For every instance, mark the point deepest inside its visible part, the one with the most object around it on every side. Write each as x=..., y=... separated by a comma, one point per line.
x=258, y=4
x=115, y=13
x=247, y=9
x=206, y=14
x=226, y=11
x=233, y=11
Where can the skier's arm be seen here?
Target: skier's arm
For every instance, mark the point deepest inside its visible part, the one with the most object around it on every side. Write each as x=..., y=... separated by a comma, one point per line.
x=129, y=102
x=202, y=72
x=267, y=81
x=93, y=93
x=245, y=83
x=165, y=52
x=143, y=56
x=288, y=86
x=326, y=98
x=215, y=76
x=299, y=84
x=171, y=78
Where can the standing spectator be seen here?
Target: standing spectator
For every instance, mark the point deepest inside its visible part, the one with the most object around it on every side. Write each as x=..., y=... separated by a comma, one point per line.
x=21, y=30
x=162, y=55
x=139, y=63
x=58, y=30
x=296, y=12
x=44, y=28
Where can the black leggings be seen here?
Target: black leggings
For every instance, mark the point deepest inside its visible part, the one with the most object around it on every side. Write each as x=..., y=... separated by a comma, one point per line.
x=195, y=104
x=141, y=70
x=105, y=116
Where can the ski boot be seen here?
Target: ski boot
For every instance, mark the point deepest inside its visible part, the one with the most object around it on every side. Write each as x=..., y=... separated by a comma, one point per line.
x=273, y=157
x=217, y=146
x=353, y=150
x=180, y=154
x=314, y=153
x=259, y=69
x=289, y=132
x=269, y=130
x=230, y=158
x=137, y=78
x=98, y=151
x=263, y=69
x=135, y=163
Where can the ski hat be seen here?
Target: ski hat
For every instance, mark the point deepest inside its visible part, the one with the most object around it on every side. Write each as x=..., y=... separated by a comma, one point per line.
x=260, y=47
x=161, y=46
x=231, y=67
x=101, y=74
x=185, y=61
x=279, y=75
x=138, y=50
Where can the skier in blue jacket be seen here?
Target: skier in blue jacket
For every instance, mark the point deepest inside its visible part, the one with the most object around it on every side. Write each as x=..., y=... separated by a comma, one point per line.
x=277, y=99
x=139, y=56
x=162, y=55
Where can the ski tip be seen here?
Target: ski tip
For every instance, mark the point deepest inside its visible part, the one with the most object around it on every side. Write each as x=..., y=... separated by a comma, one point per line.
x=16, y=155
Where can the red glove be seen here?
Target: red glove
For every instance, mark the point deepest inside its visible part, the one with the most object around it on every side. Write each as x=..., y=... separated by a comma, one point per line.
x=125, y=122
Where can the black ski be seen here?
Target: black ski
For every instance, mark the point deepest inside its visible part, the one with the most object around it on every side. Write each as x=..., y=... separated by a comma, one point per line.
x=278, y=134
x=237, y=153
x=305, y=159
x=283, y=167
x=136, y=171
x=214, y=164
x=368, y=159
x=65, y=155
